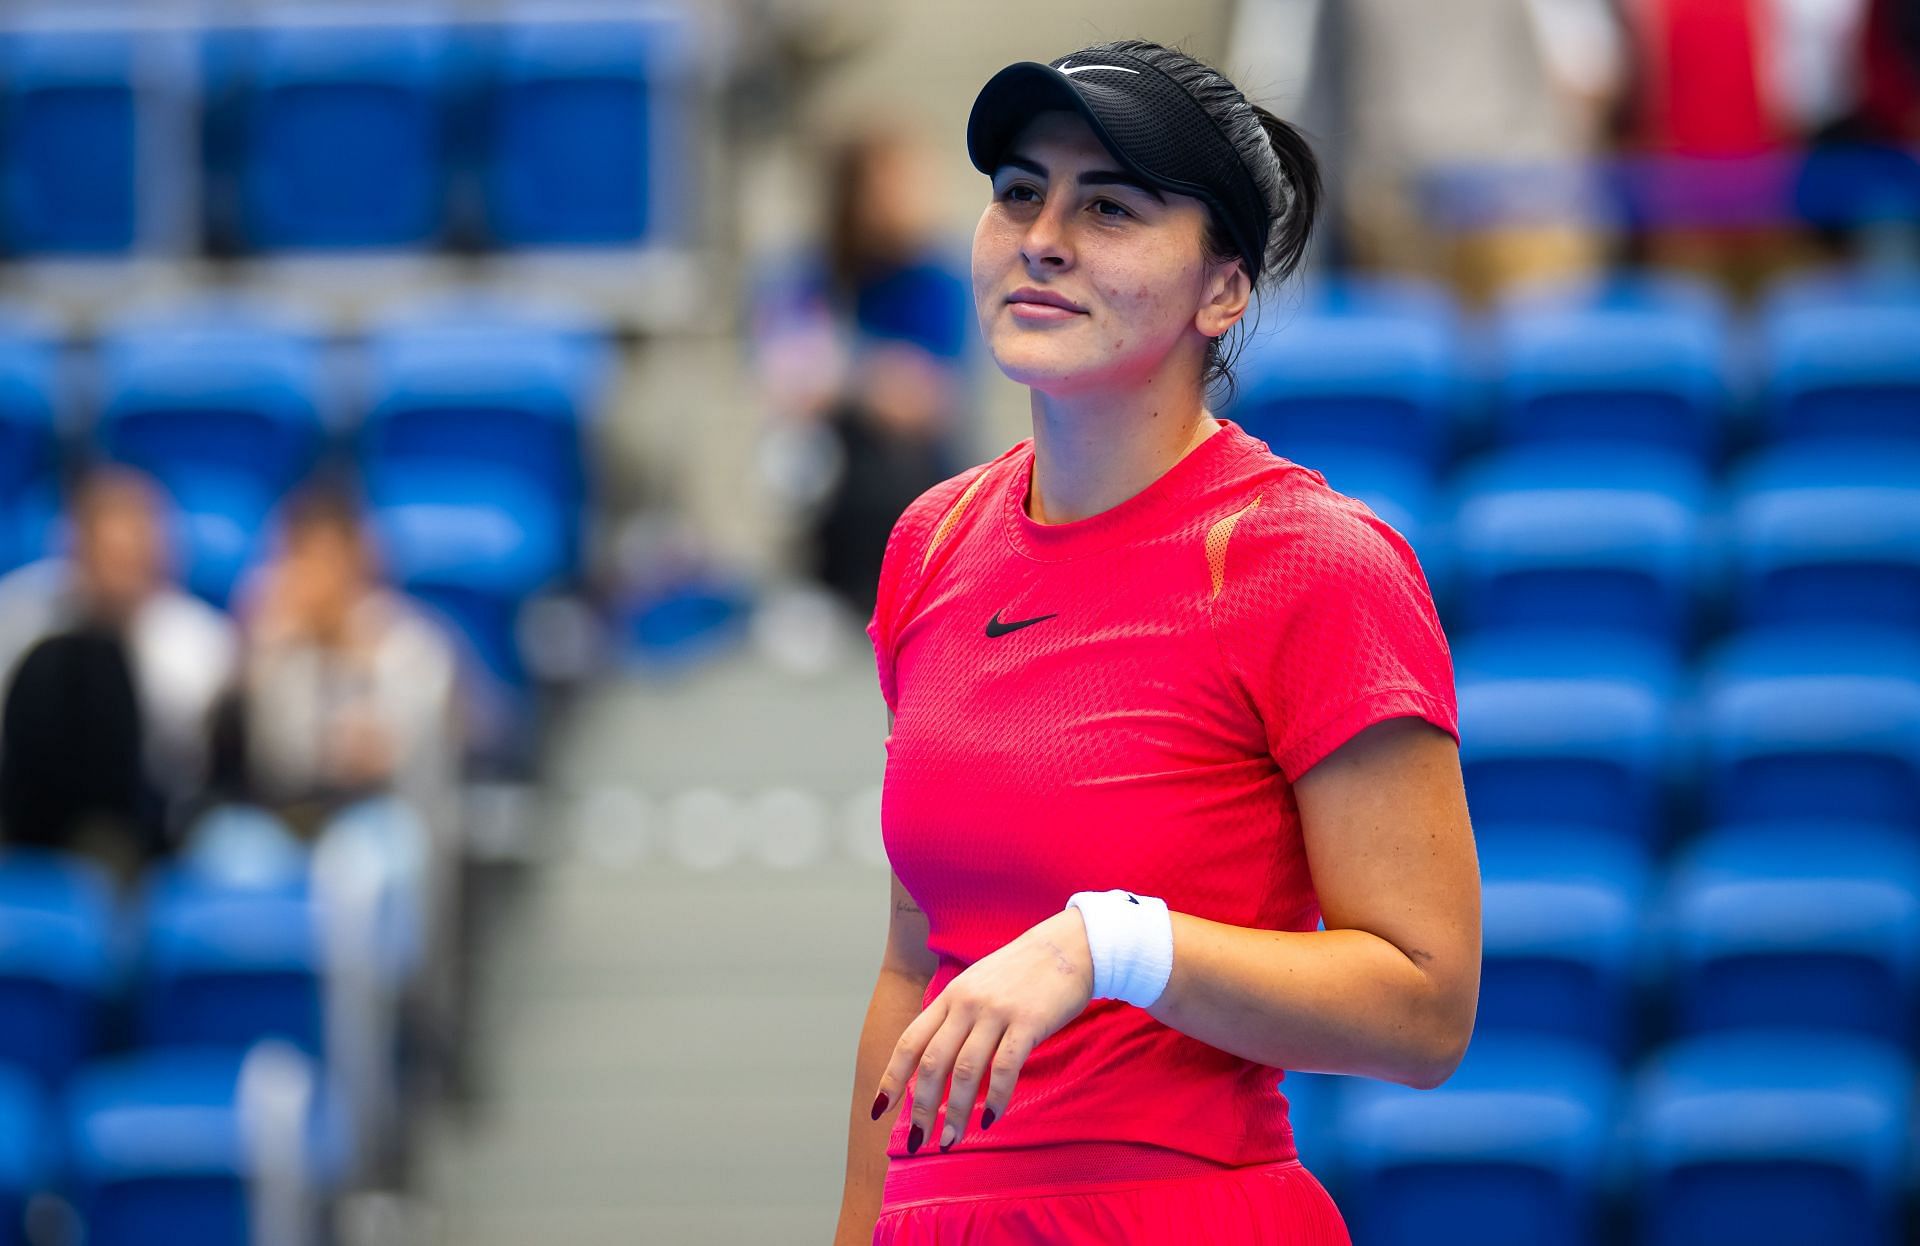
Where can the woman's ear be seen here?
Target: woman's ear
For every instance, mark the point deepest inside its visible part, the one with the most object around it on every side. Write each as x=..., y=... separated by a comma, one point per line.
x=1228, y=291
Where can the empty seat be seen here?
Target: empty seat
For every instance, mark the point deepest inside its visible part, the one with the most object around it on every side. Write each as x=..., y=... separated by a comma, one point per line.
x=58, y=961
x=1601, y=537
x=493, y=394
x=1510, y=1150
x=70, y=135
x=1840, y=356
x=29, y=439
x=473, y=545
x=28, y=1154
x=1796, y=924
x=1771, y=1136
x=216, y=1147
x=1562, y=934
x=228, y=965
x=1634, y=358
x=1569, y=727
x=1828, y=532
x=220, y=401
x=344, y=140
x=1367, y=364
x=1813, y=724
x=575, y=120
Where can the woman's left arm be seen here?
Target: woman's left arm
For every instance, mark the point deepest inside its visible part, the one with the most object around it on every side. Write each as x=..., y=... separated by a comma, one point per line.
x=1390, y=988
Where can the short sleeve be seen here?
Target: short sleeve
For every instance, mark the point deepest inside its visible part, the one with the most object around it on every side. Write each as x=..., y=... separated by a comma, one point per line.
x=1327, y=622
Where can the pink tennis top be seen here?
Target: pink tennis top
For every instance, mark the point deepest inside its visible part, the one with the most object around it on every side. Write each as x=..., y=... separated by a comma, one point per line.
x=1126, y=701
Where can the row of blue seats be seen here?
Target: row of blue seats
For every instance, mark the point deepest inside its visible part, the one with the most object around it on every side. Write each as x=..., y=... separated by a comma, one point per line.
x=1814, y=924
x=468, y=423
x=214, y=1146
x=132, y=1022
x=1778, y=724
x=1775, y=1136
x=338, y=125
x=196, y=958
x=1639, y=540
x=1395, y=367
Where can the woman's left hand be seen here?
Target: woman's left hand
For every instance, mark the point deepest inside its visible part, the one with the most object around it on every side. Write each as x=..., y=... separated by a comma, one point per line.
x=987, y=1021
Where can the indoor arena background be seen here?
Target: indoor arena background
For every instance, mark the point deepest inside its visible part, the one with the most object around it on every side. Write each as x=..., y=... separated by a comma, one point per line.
x=489, y=412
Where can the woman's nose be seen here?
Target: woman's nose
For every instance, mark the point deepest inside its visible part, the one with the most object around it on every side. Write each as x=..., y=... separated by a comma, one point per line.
x=1045, y=242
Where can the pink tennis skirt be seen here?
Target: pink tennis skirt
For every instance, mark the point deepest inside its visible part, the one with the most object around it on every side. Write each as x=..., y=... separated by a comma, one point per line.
x=1008, y=1199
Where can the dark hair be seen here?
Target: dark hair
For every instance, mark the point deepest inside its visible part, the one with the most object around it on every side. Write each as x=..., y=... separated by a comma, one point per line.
x=325, y=502
x=1275, y=153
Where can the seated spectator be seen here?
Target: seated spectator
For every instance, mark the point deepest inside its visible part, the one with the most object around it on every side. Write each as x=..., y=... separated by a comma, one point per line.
x=71, y=774
x=861, y=347
x=348, y=689
x=112, y=594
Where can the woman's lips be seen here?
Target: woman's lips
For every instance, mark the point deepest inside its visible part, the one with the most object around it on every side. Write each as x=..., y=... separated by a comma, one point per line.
x=1041, y=311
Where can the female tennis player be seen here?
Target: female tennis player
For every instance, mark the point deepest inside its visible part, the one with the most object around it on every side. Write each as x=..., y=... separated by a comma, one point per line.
x=1159, y=700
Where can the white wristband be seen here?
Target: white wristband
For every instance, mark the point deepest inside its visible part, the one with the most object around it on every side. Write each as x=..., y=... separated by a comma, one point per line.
x=1131, y=937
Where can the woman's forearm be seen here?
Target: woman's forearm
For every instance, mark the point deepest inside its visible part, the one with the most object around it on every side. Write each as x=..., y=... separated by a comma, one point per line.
x=897, y=999
x=1335, y=1001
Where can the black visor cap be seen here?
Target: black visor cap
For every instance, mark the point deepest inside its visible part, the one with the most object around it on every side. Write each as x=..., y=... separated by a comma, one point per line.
x=1149, y=123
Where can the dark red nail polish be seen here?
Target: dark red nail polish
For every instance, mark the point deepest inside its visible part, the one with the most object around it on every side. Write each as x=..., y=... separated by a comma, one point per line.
x=915, y=1138
x=986, y=1120
x=879, y=1104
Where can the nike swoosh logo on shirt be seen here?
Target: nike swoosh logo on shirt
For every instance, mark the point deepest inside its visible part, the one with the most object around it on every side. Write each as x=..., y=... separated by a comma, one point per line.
x=996, y=628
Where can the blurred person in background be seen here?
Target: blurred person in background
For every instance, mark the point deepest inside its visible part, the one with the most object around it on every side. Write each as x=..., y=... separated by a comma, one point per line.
x=1721, y=97
x=348, y=690
x=1473, y=167
x=346, y=746
x=862, y=352
x=1859, y=102
x=113, y=673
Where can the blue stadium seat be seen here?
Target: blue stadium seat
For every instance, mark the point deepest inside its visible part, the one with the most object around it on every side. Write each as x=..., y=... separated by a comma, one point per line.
x=474, y=545
x=1828, y=532
x=1840, y=351
x=28, y=1154
x=1771, y=1136
x=1600, y=537
x=1563, y=944
x=1762, y=931
x=575, y=115
x=1635, y=358
x=228, y=965
x=1509, y=1151
x=1569, y=727
x=29, y=440
x=1360, y=364
x=489, y=391
x=59, y=960
x=344, y=133
x=221, y=403
x=1806, y=723
x=167, y=1146
x=70, y=134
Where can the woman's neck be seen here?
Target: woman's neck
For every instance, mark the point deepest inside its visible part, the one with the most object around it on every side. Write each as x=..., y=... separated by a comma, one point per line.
x=1092, y=452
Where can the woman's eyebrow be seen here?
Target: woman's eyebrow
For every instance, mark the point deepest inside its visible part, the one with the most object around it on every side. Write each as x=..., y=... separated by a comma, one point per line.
x=1093, y=177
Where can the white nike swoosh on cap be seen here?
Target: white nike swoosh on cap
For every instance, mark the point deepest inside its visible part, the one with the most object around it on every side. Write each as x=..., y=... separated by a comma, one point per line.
x=1079, y=68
